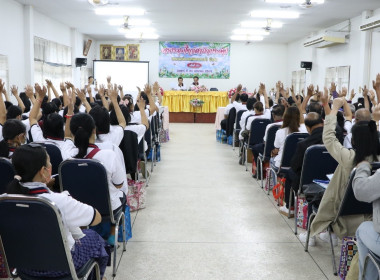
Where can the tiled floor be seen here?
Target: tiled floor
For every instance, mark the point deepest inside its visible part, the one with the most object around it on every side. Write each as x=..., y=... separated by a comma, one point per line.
x=207, y=218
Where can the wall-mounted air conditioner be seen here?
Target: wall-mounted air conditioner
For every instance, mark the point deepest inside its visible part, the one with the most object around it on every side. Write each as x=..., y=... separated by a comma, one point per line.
x=370, y=23
x=327, y=39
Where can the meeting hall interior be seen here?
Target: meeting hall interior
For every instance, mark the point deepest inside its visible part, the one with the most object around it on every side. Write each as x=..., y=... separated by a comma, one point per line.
x=200, y=140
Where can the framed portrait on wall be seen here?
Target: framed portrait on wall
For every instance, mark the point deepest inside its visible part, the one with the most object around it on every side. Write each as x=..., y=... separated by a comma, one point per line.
x=118, y=53
x=133, y=52
x=105, y=52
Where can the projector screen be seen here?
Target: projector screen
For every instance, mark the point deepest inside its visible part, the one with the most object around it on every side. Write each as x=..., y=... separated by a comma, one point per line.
x=129, y=74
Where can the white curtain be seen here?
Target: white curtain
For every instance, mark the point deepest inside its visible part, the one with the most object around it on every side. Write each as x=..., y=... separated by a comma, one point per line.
x=51, y=61
x=298, y=81
x=4, y=71
x=339, y=75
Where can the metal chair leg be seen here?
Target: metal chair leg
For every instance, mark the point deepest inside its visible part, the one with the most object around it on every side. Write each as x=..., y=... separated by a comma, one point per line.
x=233, y=140
x=311, y=218
x=295, y=212
x=332, y=252
x=122, y=216
x=290, y=203
x=246, y=158
x=260, y=163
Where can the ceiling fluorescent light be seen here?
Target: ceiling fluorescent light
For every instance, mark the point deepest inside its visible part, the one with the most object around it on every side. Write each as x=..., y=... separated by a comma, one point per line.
x=246, y=38
x=119, y=11
x=274, y=14
x=250, y=32
x=137, y=30
x=131, y=22
x=141, y=36
x=294, y=1
x=260, y=24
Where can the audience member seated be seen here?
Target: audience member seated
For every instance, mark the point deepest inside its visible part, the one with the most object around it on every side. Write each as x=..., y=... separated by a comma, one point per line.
x=362, y=114
x=33, y=168
x=14, y=135
x=363, y=139
x=82, y=126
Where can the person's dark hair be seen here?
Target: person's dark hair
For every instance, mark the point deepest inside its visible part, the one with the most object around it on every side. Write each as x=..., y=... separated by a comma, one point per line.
x=291, y=119
x=258, y=106
x=61, y=98
x=270, y=101
x=299, y=96
x=125, y=111
x=81, y=127
x=250, y=103
x=57, y=102
x=26, y=101
x=27, y=160
x=315, y=107
x=90, y=77
x=53, y=126
x=76, y=111
x=196, y=77
x=145, y=97
x=13, y=112
x=102, y=119
x=278, y=110
x=340, y=121
x=365, y=141
x=180, y=78
x=290, y=100
x=243, y=97
x=49, y=108
x=7, y=104
x=313, y=119
x=237, y=99
x=11, y=129
x=77, y=101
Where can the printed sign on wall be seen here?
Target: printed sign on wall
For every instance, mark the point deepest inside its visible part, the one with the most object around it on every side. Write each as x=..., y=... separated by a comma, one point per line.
x=187, y=59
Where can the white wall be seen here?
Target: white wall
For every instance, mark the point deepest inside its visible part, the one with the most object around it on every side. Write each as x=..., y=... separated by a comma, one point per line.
x=250, y=65
x=12, y=39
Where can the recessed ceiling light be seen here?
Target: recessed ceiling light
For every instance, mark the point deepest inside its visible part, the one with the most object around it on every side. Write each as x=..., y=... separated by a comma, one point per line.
x=141, y=36
x=258, y=24
x=274, y=14
x=250, y=32
x=131, y=21
x=294, y=1
x=110, y=11
x=246, y=38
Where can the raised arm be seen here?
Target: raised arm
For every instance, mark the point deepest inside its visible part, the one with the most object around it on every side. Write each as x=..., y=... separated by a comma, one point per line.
x=310, y=92
x=29, y=93
x=14, y=91
x=50, y=85
x=64, y=94
x=120, y=88
x=82, y=96
x=325, y=97
x=6, y=95
x=152, y=104
x=116, y=107
x=144, y=118
x=49, y=91
x=41, y=93
x=3, y=111
x=156, y=91
x=347, y=110
x=69, y=115
x=89, y=91
x=263, y=91
x=104, y=101
x=238, y=89
x=365, y=95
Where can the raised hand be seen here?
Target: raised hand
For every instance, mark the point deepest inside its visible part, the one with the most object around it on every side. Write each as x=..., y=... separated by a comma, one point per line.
x=14, y=90
x=108, y=79
x=310, y=90
x=325, y=97
x=101, y=90
x=352, y=94
x=344, y=92
x=292, y=89
x=113, y=93
x=29, y=91
x=372, y=95
x=2, y=85
x=147, y=89
x=41, y=92
x=365, y=91
x=141, y=104
x=376, y=84
x=120, y=87
x=262, y=88
x=337, y=103
x=80, y=93
x=69, y=85
x=239, y=87
x=333, y=87
x=156, y=87
x=62, y=86
x=48, y=83
x=317, y=90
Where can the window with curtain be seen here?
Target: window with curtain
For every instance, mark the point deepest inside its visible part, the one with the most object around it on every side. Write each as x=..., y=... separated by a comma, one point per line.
x=4, y=72
x=298, y=80
x=339, y=75
x=51, y=61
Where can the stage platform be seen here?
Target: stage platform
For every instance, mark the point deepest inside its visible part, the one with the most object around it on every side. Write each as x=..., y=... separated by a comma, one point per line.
x=192, y=117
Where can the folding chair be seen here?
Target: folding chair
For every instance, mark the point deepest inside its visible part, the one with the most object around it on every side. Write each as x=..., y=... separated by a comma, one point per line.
x=44, y=246
x=348, y=206
x=317, y=163
x=86, y=181
x=269, y=146
x=256, y=135
x=289, y=148
x=7, y=174
x=129, y=146
x=237, y=128
x=375, y=259
x=213, y=89
x=55, y=156
x=153, y=143
x=230, y=122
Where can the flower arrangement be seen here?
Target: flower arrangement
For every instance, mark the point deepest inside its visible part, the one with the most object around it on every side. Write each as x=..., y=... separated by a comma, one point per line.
x=196, y=102
x=198, y=88
x=232, y=91
x=162, y=91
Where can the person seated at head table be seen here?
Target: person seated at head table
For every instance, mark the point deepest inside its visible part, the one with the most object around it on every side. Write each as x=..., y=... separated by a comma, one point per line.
x=179, y=85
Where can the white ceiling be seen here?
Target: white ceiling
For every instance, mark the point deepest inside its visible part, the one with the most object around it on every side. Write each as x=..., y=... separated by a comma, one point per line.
x=201, y=20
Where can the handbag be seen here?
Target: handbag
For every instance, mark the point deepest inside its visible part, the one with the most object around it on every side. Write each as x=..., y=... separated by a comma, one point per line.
x=136, y=198
x=279, y=191
x=269, y=184
x=348, y=251
x=302, y=214
x=313, y=192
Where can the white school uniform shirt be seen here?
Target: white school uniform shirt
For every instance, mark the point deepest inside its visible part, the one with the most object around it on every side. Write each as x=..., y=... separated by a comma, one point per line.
x=269, y=126
x=136, y=116
x=1, y=132
x=244, y=117
x=178, y=87
x=347, y=141
x=279, y=141
x=139, y=129
x=348, y=126
x=115, y=174
x=27, y=126
x=74, y=214
x=239, y=106
x=63, y=145
x=266, y=115
x=228, y=108
x=82, y=109
x=115, y=135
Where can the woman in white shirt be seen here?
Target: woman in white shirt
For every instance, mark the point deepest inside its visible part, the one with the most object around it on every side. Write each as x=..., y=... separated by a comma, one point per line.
x=14, y=134
x=33, y=168
x=82, y=127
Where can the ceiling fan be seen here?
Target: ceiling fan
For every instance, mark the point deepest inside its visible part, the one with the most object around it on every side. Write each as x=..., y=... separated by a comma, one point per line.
x=269, y=25
x=102, y=2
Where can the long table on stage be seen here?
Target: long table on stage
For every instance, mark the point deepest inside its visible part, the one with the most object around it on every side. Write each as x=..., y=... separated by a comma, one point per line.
x=180, y=109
